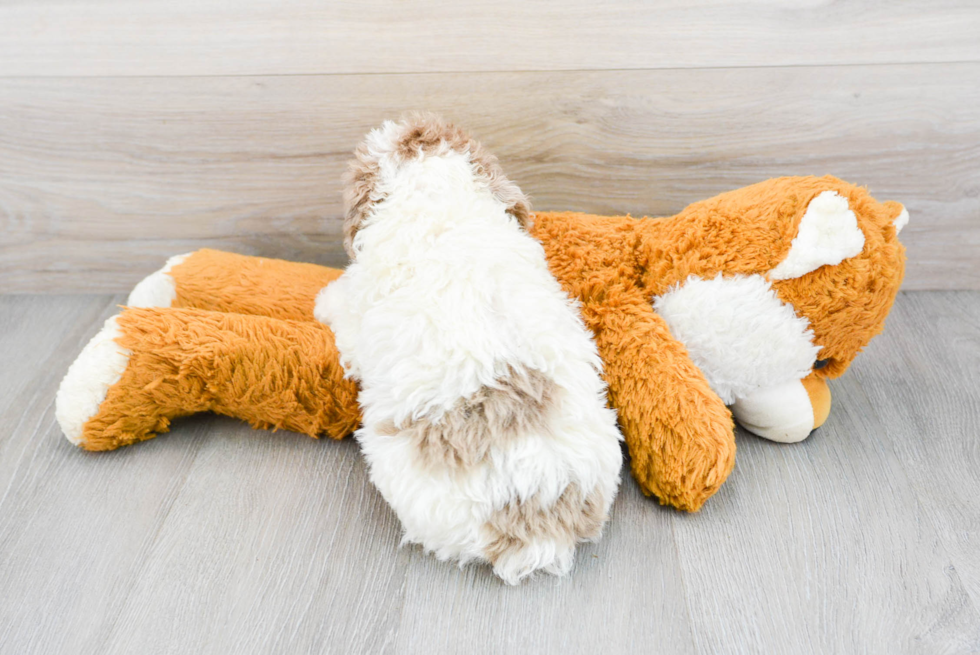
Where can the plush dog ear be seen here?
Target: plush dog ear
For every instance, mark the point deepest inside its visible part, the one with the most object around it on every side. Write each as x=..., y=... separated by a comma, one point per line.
x=828, y=235
x=901, y=220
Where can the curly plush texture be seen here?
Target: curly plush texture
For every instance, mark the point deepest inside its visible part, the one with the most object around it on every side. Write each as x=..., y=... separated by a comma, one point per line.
x=679, y=432
x=485, y=424
x=419, y=135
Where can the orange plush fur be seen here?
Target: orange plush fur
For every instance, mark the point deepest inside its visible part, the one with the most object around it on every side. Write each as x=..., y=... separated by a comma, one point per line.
x=270, y=372
x=240, y=337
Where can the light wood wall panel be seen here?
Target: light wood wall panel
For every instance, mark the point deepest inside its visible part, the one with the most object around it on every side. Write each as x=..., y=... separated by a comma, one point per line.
x=235, y=37
x=102, y=179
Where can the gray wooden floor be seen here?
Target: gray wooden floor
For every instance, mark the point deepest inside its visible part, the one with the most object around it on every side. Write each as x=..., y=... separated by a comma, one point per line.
x=218, y=538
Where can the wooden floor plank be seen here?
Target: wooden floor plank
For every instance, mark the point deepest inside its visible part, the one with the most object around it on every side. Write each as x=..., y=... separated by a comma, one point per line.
x=76, y=526
x=625, y=594
x=923, y=378
x=37, y=336
x=277, y=544
x=822, y=547
x=249, y=37
x=102, y=179
x=220, y=538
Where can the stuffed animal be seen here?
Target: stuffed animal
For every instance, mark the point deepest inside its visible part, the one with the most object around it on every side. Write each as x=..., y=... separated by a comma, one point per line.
x=750, y=299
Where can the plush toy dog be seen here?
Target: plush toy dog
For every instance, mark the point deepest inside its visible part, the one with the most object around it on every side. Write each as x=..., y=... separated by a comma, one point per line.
x=751, y=298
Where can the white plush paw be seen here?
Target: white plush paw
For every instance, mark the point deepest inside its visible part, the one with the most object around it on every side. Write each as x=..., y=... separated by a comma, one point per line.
x=157, y=289
x=779, y=413
x=99, y=366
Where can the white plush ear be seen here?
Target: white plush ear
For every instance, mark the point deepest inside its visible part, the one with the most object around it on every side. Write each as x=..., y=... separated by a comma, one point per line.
x=828, y=235
x=901, y=220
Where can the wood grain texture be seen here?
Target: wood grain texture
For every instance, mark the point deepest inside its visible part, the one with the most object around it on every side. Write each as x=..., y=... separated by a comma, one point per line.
x=930, y=357
x=71, y=543
x=834, y=534
x=102, y=179
x=182, y=37
x=217, y=538
x=37, y=335
x=627, y=595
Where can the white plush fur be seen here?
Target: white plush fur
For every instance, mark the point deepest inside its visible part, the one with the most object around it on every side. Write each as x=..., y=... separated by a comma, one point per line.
x=828, y=234
x=752, y=348
x=446, y=293
x=901, y=220
x=157, y=289
x=99, y=366
x=779, y=413
x=739, y=333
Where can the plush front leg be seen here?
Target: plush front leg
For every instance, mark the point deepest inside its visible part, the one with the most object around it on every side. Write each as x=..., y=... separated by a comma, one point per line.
x=149, y=366
x=787, y=412
x=679, y=432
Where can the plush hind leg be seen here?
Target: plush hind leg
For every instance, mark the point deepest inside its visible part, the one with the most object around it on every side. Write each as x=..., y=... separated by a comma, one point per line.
x=147, y=367
x=226, y=282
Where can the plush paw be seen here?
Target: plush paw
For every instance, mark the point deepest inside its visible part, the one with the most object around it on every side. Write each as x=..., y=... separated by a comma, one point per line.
x=157, y=289
x=98, y=367
x=683, y=463
x=786, y=413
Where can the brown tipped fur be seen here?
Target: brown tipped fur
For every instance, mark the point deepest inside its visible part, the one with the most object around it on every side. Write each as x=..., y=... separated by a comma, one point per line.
x=519, y=403
x=572, y=518
x=424, y=135
x=359, y=183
